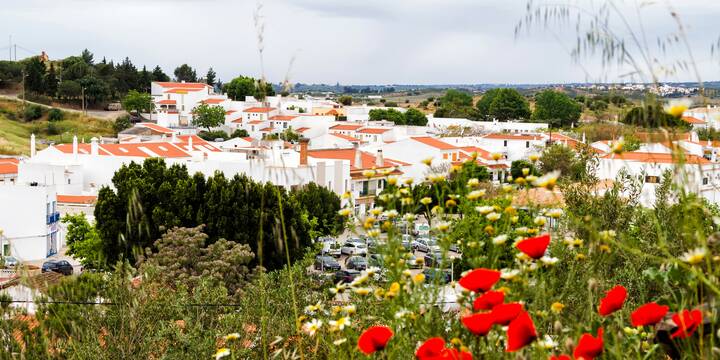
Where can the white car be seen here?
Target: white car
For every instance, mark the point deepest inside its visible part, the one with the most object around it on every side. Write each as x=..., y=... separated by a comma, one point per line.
x=353, y=248
x=426, y=245
x=331, y=248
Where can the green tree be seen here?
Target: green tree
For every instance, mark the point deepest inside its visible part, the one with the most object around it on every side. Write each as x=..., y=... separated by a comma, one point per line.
x=321, y=206
x=556, y=108
x=55, y=114
x=210, y=77
x=159, y=75
x=240, y=87
x=51, y=81
x=653, y=116
x=137, y=102
x=239, y=133
x=415, y=117
x=122, y=123
x=183, y=257
x=517, y=166
x=345, y=100
x=208, y=116
x=289, y=135
x=503, y=104
x=69, y=89
x=185, y=73
x=144, y=79
x=35, y=75
x=455, y=104
x=83, y=241
x=10, y=72
x=387, y=114
x=87, y=56
x=127, y=77
x=96, y=89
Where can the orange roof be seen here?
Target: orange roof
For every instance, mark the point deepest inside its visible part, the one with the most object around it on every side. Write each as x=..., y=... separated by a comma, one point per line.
x=302, y=129
x=76, y=199
x=283, y=117
x=693, y=120
x=332, y=112
x=345, y=137
x=373, y=130
x=346, y=127
x=9, y=160
x=181, y=90
x=156, y=127
x=269, y=128
x=146, y=150
x=183, y=85
x=656, y=158
x=255, y=122
x=83, y=148
x=433, y=142
x=230, y=112
x=167, y=102
x=238, y=121
x=498, y=136
x=259, y=109
x=212, y=101
x=482, y=153
x=367, y=159
x=7, y=168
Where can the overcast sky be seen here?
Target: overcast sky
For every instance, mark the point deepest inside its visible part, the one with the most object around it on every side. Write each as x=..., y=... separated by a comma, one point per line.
x=346, y=41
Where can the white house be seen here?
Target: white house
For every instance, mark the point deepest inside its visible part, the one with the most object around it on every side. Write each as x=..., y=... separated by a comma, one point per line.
x=30, y=221
x=174, y=101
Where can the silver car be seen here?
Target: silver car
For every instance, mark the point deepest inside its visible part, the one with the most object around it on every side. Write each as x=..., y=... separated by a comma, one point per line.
x=10, y=262
x=353, y=248
x=426, y=245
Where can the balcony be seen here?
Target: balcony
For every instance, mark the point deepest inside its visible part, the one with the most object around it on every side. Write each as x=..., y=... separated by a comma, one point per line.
x=53, y=218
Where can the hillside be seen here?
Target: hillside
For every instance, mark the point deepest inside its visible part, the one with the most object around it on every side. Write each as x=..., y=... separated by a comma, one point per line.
x=15, y=132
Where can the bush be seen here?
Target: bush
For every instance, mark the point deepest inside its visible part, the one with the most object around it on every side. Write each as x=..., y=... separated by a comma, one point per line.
x=32, y=112
x=122, y=123
x=239, y=133
x=53, y=129
x=212, y=135
x=55, y=114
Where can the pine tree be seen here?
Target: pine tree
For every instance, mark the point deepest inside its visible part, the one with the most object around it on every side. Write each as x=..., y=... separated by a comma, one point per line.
x=210, y=77
x=51, y=81
x=159, y=75
x=144, y=81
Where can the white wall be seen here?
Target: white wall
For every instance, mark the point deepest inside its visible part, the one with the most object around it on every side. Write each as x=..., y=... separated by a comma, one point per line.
x=24, y=220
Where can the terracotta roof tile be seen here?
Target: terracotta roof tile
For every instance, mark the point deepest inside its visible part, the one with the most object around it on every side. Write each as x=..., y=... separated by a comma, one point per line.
x=76, y=199
x=433, y=142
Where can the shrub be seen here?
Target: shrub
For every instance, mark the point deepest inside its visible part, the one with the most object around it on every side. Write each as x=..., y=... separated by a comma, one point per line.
x=239, y=133
x=212, y=135
x=55, y=114
x=53, y=129
x=122, y=123
x=32, y=112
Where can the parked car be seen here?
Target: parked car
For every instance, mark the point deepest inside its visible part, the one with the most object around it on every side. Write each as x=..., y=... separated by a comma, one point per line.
x=371, y=245
x=353, y=248
x=58, y=266
x=331, y=248
x=356, y=263
x=346, y=276
x=454, y=247
x=433, y=275
x=10, y=262
x=433, y=259
x=426, y=245
x=413, y=262
x=407, y=241
x=326, y=263
x=376, y=260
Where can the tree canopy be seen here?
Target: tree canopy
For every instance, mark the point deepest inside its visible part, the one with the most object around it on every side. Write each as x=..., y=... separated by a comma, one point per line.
x=185, y=73
x=136, y=101
x=242, y=86
x=556, y=108
x=652, y=116
x=503, y=104
x=455, y=104
x=208, y=116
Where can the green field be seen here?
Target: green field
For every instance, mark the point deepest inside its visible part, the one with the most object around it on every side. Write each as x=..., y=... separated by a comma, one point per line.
x=15, y=132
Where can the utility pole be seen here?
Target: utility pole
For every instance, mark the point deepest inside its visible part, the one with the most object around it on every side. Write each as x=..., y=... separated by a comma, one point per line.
x=10, y=48
x=23, y=88
x=15, y=52
x=83, y=100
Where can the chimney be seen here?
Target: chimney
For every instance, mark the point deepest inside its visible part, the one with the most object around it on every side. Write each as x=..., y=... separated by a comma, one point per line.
x=358, y=157
x=94, y=147
x=304, y=151
x=190, y=144
x=32, y=145
x=75, y=147
x=380, y=160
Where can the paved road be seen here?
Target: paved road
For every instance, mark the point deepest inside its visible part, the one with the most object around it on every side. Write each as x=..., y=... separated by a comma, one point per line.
x=102, y=114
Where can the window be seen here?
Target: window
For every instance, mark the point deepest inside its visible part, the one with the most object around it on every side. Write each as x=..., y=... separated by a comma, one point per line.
x=505, y=143
x=68, y=181
x=706, y=181
x=527, y=144
x=652, y=179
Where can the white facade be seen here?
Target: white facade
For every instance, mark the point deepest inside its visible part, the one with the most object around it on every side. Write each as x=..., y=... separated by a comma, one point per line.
x=30, y=222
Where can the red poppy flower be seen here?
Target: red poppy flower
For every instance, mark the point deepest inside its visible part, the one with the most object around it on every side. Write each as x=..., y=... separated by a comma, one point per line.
x=430, y=349
x=534, y=247
x=589, y=347
x=434, y=349
x=479, y=324
x=480, y=280
x=687, y=322
x=648, y=314
x=521, y=332
x=373, y=339
x=503, y=314
x=560, y=357
x=488, y=300
x=613, y=300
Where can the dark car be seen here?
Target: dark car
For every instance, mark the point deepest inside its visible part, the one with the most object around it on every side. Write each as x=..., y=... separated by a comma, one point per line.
x=346, y=276
x=326, y=263
x=433, y=259
x=58, y=266
x=436, y=276
x=376, y=260
x=356, y=263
